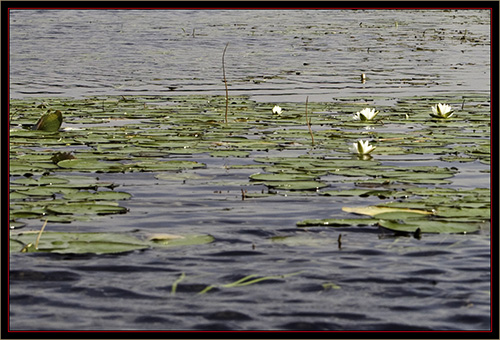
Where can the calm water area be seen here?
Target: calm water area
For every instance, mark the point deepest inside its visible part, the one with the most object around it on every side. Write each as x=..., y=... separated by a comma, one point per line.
x=373, y=282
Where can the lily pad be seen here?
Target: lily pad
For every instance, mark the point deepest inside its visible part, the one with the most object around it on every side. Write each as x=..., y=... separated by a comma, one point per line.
x=50, y=121
x=97, y=243
x=427, y=226
x=86, y=209
x=151, y=133
x=337, y=222
x=86, y=165
x=48, y=190
x=159, y=240
x=44, y=180
x=374, y=211
x=281, y=177
x=296, y=185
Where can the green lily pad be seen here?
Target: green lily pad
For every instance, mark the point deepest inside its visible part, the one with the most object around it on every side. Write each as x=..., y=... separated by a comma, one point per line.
x=21, y=169
x=484, y=213
x=87, y=209
x=50, y=122
x=337, y=222
x=164, y=240
x=296, y=185
x=97, y=243
x=151, y=133
x=398, y=215
x=376, y=210
x=281, y=177
x=48, y=190
x=86, y=165
x=79, y=181
x=44, y=180
x=77, y=243
x=428, y=226
x=14, y=196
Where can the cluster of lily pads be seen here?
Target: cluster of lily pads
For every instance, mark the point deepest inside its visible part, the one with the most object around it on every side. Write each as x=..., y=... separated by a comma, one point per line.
x=53, y=166
x=363, y=148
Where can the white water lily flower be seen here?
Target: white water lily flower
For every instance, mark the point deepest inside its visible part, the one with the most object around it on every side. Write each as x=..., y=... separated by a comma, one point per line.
x=362, y=147
x=365, y=114
x=277, y=110
x=441, y=111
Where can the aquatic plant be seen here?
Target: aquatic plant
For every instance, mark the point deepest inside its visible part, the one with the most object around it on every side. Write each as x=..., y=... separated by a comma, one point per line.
x=225, y=82
x=365, y=114
x=308, y=121
x=441, y=111
x=362, y=147
x=136, y=139
x=97, y=242
x=50, y=122
x=277, y=110
x=61, y=156
x=248, y=280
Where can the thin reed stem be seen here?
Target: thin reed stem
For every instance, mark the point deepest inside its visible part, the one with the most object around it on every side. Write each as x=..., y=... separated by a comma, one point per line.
x=309, y=123
x=40, y=234
x=225, y=81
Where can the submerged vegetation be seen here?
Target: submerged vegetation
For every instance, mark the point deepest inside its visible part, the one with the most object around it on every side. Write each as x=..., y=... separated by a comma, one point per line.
x=54, y=171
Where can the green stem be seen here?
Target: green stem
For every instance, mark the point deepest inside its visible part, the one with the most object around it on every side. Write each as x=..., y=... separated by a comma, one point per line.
x=176, y=282
x=225, y=81
x=309, y=123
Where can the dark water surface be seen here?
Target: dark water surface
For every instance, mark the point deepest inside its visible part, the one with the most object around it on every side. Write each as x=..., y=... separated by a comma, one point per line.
x=374, y=281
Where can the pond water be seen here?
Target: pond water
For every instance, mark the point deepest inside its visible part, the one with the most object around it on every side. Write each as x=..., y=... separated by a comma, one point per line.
x=372, y=280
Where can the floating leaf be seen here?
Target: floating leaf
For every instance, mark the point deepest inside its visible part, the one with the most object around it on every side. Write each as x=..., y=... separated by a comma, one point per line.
x=90, y=165
x=375, y=210
x=97, y=243
x=150, y=133
x=50, y=121
x=43, y=180
x=86, y=209
x=167, y=240
x=46, y=190
x=398, y=215
x=76, y=243
x=337, y=222
x=296, y=185
x=428, y=226
x=281, y=177
x=464, y=212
